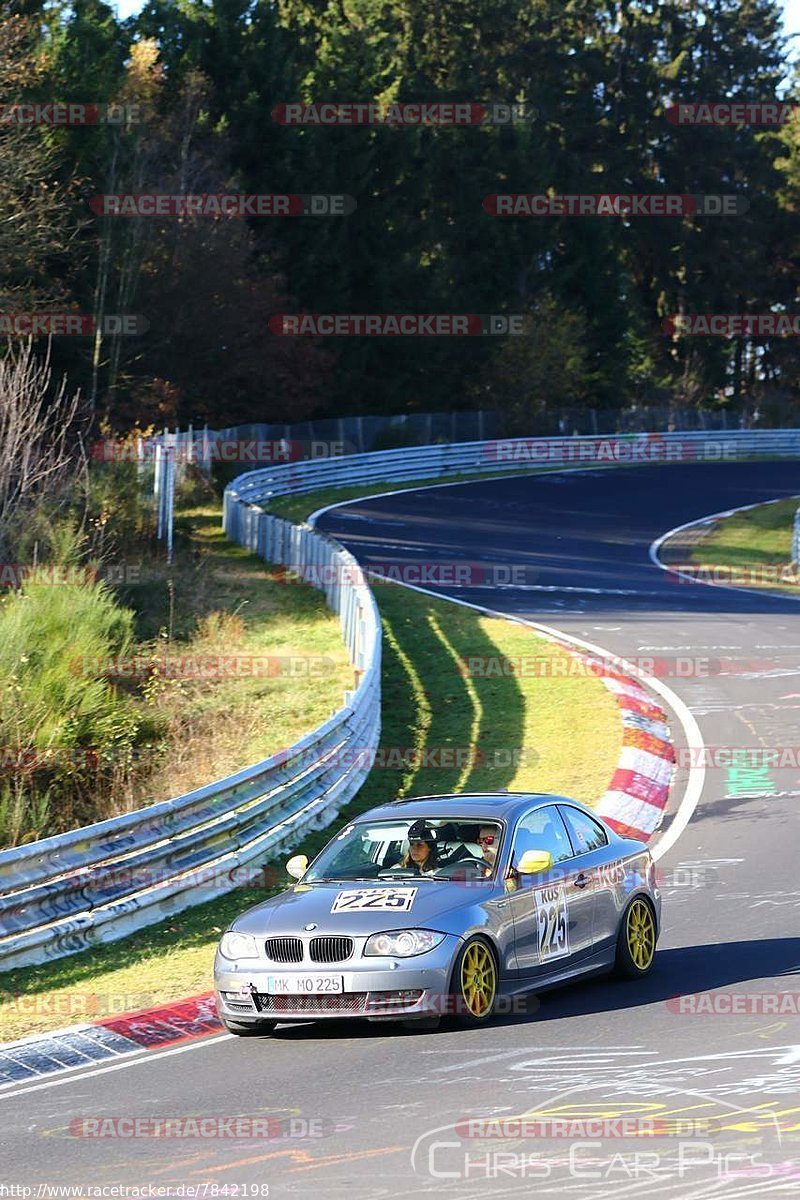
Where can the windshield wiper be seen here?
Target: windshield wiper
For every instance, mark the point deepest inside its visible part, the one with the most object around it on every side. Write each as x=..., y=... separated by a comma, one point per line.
x=346, y=879
x=390, y=874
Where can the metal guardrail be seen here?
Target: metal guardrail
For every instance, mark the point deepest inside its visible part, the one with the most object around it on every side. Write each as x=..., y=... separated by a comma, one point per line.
x=99, y=883
x=486, y=458
x=164, y=490
x=96, y=884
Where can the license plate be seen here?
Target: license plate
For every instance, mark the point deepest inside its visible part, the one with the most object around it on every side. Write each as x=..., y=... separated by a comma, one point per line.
x=304, y=985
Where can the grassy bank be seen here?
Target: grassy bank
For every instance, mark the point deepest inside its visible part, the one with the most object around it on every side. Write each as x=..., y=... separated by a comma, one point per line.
x=189, y=672
x=446, y=726
x=755, y=544
x=272, y=650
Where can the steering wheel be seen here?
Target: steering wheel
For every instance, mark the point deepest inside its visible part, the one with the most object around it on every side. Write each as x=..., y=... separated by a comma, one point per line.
x=463, y=868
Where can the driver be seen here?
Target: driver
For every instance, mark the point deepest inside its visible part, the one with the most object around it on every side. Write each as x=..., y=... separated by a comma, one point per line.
x=489, y=842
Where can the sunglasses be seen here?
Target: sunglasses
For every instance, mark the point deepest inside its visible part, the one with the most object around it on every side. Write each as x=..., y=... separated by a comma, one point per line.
x=486, y=841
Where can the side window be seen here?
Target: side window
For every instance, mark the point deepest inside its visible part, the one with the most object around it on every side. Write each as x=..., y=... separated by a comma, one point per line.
x=586, y=833
x=542, y=829
x=388, y=854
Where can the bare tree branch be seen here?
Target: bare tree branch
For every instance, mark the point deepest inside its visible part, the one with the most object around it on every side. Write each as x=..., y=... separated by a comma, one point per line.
x=41, y=451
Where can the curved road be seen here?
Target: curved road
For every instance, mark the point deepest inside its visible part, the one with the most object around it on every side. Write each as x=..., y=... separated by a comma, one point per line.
x=573, y=549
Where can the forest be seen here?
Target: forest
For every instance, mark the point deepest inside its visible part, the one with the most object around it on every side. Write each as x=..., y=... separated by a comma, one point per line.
x=398, y=132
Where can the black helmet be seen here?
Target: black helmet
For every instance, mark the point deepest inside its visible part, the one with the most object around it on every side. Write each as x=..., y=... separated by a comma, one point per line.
x=420, y=831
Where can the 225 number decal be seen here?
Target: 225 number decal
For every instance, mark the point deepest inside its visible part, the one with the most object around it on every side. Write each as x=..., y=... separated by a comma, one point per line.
x=553, y=923
x=374, y=899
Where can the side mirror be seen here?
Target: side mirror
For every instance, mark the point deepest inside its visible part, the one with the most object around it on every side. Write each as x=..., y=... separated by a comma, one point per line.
x=535, y=862
x=297, y=866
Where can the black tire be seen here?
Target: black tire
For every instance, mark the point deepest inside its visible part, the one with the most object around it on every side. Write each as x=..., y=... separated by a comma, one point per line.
x=636, y=942
x=474, y=984
x=251, y=1029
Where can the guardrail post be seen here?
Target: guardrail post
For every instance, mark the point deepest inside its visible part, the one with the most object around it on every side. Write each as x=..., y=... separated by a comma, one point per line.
x=169, y=499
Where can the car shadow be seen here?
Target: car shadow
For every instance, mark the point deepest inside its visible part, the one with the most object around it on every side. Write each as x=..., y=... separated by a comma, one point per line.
x=684, y=970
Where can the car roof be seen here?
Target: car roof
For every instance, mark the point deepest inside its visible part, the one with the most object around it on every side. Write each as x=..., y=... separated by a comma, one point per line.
x=506, y=806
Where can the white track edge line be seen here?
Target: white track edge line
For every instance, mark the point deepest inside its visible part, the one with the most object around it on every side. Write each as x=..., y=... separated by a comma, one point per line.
x=62, y=1077
x=694, y=738
x=429, y=487
x=727, y=587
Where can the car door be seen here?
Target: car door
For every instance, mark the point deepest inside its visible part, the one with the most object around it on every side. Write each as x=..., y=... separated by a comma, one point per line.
x=598, y=858
x=552, y=912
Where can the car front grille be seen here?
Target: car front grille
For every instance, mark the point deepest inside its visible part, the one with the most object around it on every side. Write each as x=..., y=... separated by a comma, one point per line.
x=284, y=949
x=342, y=1004
x=330, y=949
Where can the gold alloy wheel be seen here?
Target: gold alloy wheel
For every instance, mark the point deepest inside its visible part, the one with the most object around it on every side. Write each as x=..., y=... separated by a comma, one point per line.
x=641, y=934
x=478, y=979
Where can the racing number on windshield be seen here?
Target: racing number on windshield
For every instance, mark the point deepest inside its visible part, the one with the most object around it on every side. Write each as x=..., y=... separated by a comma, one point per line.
x=552, y=922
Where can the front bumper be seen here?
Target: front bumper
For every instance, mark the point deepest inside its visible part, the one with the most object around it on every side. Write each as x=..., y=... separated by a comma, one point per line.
x=380, y=989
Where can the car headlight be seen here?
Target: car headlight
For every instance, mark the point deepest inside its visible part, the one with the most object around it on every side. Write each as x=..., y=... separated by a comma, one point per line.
x=238, y=945
x=403, y=943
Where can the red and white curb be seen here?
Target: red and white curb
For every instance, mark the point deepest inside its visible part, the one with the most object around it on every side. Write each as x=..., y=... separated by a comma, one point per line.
x=93, y=1043
x=637, y=796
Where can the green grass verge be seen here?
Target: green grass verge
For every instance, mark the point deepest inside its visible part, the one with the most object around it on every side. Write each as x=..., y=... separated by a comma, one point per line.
x=747, y=542
x=289, y=667
x=548, y=730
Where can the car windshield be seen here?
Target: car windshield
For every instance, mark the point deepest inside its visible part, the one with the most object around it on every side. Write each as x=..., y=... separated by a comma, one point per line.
x=412, y=847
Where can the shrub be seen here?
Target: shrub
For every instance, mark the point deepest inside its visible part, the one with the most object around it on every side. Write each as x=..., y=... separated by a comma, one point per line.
x=64, y=729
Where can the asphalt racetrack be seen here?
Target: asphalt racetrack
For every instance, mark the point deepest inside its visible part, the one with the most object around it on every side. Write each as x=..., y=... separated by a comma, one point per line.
x=386, y=1107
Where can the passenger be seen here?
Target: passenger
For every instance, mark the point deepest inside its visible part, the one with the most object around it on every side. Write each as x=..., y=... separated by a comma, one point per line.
x=422, y=852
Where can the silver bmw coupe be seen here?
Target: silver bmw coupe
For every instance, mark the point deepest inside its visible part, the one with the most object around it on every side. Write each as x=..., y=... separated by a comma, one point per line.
x=439, y=906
